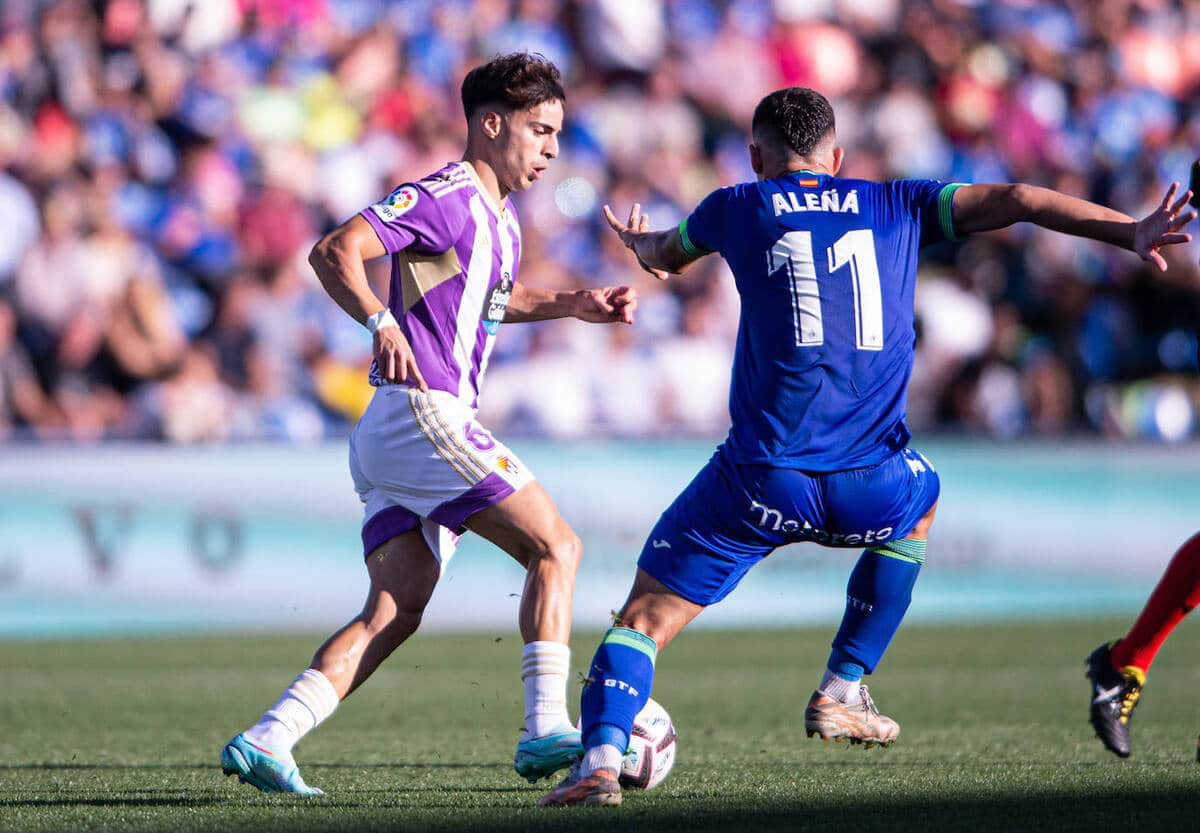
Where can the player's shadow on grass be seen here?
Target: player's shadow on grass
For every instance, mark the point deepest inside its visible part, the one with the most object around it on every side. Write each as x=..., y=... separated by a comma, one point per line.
x=398, y=791
x=408, y=765
x=68, y=766
x=114, y=766
x=172, y=801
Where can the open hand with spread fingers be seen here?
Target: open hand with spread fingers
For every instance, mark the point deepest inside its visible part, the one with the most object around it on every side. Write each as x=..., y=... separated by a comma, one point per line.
x=1162, y=227
x=629, y=232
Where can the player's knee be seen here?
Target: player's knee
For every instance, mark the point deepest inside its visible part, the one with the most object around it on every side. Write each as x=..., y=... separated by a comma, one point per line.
x=921, y=531
x=397, y=624
x=571, y=551
x=399, y=605
x=563, y=550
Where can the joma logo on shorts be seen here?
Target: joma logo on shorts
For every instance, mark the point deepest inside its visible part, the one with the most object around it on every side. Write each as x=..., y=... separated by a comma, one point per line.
x=773, y=519
x=622, y=685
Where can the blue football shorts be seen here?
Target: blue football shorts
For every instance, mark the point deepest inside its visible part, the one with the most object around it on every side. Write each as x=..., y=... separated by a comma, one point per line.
x=731, y=516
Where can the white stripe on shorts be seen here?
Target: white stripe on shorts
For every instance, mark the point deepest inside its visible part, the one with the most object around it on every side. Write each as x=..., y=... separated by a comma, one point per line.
x=466, y=452
x=444, y=439
x=435, y=439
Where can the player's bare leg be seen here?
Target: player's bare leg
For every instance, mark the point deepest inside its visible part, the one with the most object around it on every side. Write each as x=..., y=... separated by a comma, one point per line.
x=528, y=527
x=655, y=610
x=652, y=612
x=403, y=573
x=842, y=709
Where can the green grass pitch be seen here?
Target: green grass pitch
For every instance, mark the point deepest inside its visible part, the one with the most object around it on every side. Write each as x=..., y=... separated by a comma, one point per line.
x=125, y=734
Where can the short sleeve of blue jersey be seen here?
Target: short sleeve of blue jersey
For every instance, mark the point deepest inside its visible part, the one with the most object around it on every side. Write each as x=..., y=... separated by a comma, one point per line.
x=703, y=231
x=930, y=203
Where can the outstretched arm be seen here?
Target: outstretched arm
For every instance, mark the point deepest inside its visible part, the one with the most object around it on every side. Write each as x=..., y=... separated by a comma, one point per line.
x=988, y=207
x=609, y=305
x=338, y=259
x=658, y=252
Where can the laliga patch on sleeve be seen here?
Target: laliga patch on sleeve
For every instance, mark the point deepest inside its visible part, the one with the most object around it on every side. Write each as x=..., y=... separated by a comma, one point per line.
x=398, y=203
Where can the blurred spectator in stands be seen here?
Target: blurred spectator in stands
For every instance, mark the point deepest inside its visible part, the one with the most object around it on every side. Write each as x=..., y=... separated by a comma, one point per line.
x=165, y=165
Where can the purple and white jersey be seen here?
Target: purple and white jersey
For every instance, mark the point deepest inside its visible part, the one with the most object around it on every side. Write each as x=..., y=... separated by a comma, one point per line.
x=454, y=264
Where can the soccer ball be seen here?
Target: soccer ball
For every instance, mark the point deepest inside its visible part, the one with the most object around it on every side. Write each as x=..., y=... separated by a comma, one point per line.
x=651, y=752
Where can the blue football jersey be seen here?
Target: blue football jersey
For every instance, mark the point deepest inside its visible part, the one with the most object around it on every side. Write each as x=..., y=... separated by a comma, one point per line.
x=826, y=269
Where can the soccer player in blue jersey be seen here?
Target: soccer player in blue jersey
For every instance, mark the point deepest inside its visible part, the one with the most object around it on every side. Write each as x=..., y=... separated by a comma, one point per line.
x=818, y=449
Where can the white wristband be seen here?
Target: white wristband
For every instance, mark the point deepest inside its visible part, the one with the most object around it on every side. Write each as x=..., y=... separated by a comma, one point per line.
x=383, y=318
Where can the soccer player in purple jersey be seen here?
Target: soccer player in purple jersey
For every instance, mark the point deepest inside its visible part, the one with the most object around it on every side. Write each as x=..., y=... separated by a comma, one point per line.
x=424, y=468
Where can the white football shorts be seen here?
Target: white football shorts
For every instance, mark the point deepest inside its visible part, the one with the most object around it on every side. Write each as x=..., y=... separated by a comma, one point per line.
x=422, y=459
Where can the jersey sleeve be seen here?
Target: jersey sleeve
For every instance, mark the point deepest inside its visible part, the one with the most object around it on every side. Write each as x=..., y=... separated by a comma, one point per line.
x=703, y=231
x=930, y=203
x=412, y=217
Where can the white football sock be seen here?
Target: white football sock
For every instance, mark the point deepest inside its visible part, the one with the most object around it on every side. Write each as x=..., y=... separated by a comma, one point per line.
x=604, y=756
x=840, y=689
x=544, y=670
x=308, y=700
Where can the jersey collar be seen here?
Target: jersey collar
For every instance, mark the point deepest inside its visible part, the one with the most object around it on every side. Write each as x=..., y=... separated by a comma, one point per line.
x=500, y=211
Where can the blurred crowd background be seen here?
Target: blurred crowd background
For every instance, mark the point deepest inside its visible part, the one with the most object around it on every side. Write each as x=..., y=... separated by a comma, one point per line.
x=165, y=166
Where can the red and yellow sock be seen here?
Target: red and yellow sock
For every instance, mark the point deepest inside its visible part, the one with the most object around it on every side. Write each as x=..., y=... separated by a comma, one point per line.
x=1177, y=593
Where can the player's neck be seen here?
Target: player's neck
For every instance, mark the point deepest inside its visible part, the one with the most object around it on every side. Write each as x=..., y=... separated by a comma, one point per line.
x=803, y=168
x=488, y=179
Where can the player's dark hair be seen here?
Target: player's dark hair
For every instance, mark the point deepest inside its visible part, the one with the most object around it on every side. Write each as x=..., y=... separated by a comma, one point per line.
x=795, y=117
x=518, y=81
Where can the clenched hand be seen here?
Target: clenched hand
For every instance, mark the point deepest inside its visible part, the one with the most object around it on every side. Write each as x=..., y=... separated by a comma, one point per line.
x=609, y=305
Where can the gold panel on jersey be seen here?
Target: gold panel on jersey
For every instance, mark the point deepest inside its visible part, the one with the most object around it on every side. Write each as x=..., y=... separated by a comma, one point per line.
x=421, y=273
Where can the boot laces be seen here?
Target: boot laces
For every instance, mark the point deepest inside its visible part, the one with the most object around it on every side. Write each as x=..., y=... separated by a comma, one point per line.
x=1130, y=693
x=868, y=704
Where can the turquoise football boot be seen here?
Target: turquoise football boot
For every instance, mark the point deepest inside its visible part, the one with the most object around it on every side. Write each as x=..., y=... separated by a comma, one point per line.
x=257, y=767
x=542, y=757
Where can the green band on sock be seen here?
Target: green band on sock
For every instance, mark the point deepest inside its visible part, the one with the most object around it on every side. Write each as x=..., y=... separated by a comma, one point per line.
x=905, y=549
x=632, y=639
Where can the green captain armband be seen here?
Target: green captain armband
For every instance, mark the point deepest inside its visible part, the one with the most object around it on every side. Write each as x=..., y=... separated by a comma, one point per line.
x=688, y=246
x=946, y=210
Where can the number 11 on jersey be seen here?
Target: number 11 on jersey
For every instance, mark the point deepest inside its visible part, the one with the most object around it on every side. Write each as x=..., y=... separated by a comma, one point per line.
x=856, y=248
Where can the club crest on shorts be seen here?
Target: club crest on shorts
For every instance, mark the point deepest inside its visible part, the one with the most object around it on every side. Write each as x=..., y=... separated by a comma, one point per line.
x=399, y=202
x=508, y=464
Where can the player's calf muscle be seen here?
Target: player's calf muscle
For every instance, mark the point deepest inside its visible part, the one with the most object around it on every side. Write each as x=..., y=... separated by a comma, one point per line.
x=652, y=609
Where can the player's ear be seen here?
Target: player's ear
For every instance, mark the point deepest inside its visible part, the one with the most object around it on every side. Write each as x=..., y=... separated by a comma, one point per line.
x=756, y=162
x=491, y=123
x=839, y=156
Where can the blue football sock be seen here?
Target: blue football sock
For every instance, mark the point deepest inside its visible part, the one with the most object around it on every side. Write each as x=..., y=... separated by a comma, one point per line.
x=618, y=687
x=877, y=597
